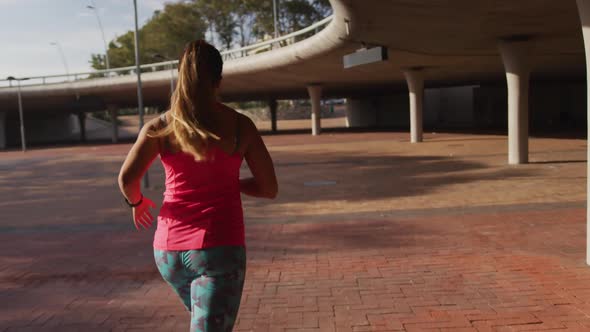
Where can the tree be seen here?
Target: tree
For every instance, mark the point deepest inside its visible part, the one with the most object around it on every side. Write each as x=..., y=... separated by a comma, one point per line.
x=296, y=15
x=231, y=21
x=221, y=16
x=323, y=7
x=263, y=25
x=225, y=26
x=244, y=19
x=247, y=18
x=98, y=61
x=293, y=15
x=167, y=32
x=162, y=37
x=122, y=51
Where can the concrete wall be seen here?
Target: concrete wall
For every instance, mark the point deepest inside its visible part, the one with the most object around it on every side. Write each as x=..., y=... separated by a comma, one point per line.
x=451, y=107
x=41, y=128
x=558, y=106
x=377, y=111
x=2, y=130
x=394, y=111
x=553, y=106
x=362, y=112
x=490, y=107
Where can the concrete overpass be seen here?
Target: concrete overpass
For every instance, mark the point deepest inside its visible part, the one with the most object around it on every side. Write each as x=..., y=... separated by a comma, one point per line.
x=465, y=48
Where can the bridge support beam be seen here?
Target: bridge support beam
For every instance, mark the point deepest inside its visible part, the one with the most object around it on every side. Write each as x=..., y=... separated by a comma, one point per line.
x=415, y=80
x=114, y=112
x=3, y=136
x=82, y=125
x=584, y=11
x=272, y=105
x=515, y=55
x=315, y=94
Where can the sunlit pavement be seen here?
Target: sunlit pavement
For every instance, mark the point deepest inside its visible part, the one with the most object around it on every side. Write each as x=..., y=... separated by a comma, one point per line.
x=369, y=233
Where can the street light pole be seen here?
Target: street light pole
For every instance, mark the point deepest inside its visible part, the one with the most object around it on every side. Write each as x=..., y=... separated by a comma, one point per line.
x=21, y=117
x=20, y=111
x=146, y=182
x=106, y=49
x=63, y=57
x=163, y=58
x=274, y=12
x=171, y=79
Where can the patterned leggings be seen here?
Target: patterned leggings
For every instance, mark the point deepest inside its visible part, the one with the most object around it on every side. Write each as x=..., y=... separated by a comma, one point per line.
x=208, y=281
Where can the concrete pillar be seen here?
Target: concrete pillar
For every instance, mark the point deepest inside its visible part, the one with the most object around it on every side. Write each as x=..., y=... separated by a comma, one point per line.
x=584, y=11
x=315, y=94
x=3, y=137
x=113, y=112
x=82, y=124
x=415, y=80
x=272, y=105
x=515, y=55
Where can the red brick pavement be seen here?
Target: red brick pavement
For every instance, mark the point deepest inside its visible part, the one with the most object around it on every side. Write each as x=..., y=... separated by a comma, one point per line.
x=435, y=259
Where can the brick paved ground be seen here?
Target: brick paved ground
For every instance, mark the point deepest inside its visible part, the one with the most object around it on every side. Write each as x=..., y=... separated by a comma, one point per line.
x=369, y=233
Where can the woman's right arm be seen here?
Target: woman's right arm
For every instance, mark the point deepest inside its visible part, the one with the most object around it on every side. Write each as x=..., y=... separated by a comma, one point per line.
x=264, y=181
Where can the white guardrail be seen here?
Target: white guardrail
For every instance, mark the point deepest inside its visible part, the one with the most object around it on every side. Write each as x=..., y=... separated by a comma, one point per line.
x=169, y=65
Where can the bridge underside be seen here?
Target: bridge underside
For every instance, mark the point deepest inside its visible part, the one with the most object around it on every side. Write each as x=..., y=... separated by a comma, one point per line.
x=456, y=42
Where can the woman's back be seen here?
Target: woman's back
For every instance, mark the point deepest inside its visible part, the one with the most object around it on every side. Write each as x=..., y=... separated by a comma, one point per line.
x=202, y=205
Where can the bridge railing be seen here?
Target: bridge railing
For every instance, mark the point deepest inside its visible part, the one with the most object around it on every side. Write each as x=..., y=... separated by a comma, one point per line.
x=171, y=65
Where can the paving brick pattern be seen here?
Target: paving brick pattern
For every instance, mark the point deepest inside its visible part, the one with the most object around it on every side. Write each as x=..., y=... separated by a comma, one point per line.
x=370, y=233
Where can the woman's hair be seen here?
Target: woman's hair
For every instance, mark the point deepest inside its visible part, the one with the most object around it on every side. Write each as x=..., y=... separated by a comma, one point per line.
x=199, y=73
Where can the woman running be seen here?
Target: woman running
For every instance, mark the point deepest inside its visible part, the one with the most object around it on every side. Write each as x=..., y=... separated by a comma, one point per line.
x=199, y=243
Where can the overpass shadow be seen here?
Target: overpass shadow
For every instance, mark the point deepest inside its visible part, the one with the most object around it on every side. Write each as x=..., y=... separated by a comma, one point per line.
x=347, y=237
x=323, y=196
x=313, y=177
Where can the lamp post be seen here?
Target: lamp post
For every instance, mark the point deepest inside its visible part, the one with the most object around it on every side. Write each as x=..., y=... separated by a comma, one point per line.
x=146, y=182
x=20, y=110
x=63, y=57
x=106, y=49
x=275, y=18
x=171, y=79
x=163, y=58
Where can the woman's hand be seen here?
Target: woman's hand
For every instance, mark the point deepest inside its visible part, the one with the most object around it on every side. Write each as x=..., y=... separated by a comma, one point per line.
x=142, y=215
x=138, y=160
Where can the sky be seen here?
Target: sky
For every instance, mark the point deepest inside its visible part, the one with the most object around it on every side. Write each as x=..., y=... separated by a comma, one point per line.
x=27, y=28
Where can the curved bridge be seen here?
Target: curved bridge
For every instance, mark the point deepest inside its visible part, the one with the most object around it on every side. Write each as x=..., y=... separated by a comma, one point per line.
x=456, y=42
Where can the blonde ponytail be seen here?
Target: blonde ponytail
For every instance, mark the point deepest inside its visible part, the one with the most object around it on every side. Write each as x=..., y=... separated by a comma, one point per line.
x=199, y=71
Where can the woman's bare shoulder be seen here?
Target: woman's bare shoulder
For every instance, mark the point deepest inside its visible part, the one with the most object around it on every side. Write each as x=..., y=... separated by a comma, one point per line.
x=165, y=117
x=245, y=121
x=227, y=108
x=154, y=123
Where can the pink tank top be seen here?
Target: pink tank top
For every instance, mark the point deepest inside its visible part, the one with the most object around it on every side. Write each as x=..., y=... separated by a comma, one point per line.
x=202, y=206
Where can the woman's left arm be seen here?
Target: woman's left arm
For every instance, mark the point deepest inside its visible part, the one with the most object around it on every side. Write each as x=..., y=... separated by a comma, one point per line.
x=139, y=159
